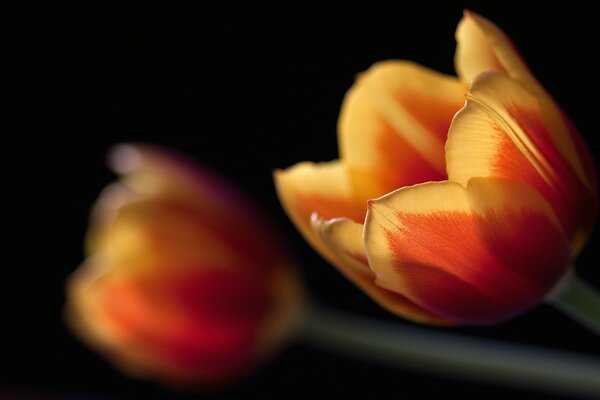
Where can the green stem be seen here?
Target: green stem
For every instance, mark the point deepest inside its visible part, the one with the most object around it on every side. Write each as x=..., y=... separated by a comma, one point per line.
x=452, y=354
x=578, y=300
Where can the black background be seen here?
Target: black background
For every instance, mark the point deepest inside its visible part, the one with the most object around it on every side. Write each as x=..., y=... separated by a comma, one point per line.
x=245, y=90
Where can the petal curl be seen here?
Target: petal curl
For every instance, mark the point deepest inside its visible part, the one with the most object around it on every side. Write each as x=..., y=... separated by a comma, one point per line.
x=474, y=255
x=345, y=240
x=165, y=204
x=393, y=125
x=507, y=131
x=315, y=196
x=323, y=188
x=482, y=46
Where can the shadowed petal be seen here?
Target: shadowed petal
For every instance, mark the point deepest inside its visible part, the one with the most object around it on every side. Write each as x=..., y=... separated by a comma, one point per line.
x=393, y=126
x=166, y=320
x=482, y=46
x=185, y=280
x=506, y=131
x=345, y=240
x=473, y=255
x=323, y=188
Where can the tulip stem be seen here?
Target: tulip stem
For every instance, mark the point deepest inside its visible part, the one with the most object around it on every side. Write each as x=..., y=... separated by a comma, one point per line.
x=580, y=301
x=425, y=349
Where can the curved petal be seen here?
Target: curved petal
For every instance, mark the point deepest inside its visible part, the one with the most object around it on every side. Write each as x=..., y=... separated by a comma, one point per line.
x=163, y=231
x=393, y=125
x=165, y=204
x=345, y=240
x=151, y=171
x=506, y=131
x=186, y=281
x=482, y=46
x=323, y=188
x=473, y=255
x=311, y=193
x=164, y=322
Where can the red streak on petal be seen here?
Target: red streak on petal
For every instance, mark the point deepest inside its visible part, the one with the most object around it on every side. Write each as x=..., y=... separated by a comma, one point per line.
x=197, y=323
x=393, y=301
x=399, y=164
x=221, y=294
x=243, y=237
x=563, y=189
x=434, y=114
x=477, y=268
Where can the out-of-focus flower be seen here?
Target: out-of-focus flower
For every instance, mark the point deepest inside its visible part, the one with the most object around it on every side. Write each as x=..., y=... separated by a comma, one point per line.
x=186, y=281
x=446, y=211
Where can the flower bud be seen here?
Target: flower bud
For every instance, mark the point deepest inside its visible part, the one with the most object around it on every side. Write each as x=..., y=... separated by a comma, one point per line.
x=185, y=281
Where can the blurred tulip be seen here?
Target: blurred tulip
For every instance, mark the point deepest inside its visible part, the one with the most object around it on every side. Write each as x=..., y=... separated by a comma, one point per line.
x=186, y=281
x=445, y=211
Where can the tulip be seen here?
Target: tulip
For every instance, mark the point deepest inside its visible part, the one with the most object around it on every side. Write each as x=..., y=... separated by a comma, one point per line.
x=448, y=211
x=186, y=281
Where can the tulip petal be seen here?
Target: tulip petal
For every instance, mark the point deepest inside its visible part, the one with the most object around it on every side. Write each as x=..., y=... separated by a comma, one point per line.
x=186, y=280
x=345, y=240
x=150, y=171
x=482, y=46
x=165, y=205
x=506, y=131
x=473, y=255
x=323, y=188
x=311, y=193
x=165, y=321
x=393, y=125
x=166, y=231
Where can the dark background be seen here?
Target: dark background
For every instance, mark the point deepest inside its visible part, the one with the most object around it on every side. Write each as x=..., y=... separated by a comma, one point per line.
x=244, y=90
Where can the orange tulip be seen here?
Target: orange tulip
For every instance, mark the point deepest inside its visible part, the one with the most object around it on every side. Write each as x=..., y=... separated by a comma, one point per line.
x=445, y=211
x=185, y=281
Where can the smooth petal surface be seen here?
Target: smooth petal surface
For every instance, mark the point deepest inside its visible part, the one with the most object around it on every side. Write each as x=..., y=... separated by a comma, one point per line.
x=164, y=205
x=164, y=321
x=393, y=125
x=506, y=131
x=185, y=281
x=482, y=46
x=162, y=231
x=474, y=255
